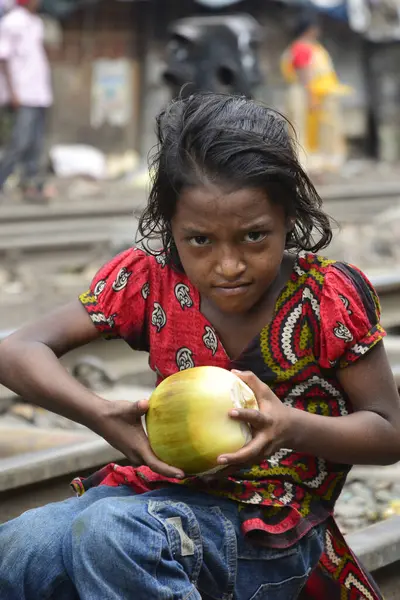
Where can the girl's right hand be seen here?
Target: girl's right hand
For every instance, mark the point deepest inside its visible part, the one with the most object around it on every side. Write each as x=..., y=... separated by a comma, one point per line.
x=120, y=424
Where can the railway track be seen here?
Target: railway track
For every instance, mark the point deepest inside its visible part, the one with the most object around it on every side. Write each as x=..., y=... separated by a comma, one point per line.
x=359, y=203
x=21, y=221
x=64, y=234
x=360, y=189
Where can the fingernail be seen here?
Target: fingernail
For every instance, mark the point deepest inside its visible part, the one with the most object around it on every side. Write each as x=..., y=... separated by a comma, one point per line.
x=179, y=476
x=222, y=460
x=236, y=371
x=234, y=413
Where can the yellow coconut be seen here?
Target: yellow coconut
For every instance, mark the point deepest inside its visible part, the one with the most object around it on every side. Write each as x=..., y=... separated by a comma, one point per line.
x=188, y=424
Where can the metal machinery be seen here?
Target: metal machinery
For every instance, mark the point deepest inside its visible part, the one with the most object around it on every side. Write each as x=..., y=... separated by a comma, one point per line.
x=213, y=53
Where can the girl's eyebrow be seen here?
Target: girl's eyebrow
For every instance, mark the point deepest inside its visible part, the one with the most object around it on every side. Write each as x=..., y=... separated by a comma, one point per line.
x=194, y=230
x=260, y=223
x=257, y=224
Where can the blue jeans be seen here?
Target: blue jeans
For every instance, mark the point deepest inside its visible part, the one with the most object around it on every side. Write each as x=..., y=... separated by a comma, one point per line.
x=25, y=146
x=170, y=544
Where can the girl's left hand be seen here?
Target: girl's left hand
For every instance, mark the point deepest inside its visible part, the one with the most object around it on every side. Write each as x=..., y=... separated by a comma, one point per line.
x=270, y=425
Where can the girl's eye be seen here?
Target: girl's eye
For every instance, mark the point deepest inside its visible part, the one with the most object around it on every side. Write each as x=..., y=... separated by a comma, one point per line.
x=255, y=236
x=199, y=240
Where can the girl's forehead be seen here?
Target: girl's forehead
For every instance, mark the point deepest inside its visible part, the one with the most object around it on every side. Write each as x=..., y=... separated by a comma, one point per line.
x=213, y=202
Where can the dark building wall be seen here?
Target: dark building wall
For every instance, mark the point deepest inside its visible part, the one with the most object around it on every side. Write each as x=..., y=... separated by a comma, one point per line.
x=106, y=31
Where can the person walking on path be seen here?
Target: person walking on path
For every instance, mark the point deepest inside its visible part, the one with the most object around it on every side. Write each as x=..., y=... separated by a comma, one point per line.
x=25, y=85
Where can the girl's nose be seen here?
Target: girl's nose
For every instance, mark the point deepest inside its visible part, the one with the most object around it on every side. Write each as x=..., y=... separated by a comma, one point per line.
x=230, y=266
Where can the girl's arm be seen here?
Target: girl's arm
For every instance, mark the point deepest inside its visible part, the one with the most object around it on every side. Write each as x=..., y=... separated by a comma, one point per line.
x=370, y=435
x=30, y=367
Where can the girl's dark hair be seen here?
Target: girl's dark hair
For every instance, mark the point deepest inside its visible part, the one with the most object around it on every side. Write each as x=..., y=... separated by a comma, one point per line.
x=236, y=143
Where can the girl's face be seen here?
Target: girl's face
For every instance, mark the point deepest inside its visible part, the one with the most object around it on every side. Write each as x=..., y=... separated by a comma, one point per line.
x=231, y=244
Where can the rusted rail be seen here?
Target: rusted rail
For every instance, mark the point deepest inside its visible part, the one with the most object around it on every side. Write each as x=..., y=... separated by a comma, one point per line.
x=72, y=234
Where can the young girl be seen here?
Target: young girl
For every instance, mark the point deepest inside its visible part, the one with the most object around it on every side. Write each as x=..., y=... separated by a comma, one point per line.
x=237, y=285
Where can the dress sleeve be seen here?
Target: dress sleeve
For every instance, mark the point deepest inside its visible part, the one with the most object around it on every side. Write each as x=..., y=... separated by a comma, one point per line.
x=301, y=55
x=117, y=297
x=349, y=316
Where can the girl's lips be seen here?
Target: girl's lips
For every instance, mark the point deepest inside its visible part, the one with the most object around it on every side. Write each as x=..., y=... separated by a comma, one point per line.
x=232, y=290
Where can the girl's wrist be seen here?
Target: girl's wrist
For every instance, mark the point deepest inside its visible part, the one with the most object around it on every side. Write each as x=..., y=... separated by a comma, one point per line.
x=290, y=429
x=96, y=413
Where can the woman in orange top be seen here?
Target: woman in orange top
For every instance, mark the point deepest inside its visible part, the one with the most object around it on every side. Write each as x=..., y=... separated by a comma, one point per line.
x=313, y=98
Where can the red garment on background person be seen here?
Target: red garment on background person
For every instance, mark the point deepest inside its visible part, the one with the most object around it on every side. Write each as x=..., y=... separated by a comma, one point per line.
x=326, y=317
x=302, y=54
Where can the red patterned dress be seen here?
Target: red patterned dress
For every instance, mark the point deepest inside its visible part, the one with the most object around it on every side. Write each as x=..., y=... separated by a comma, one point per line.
x=325, y=318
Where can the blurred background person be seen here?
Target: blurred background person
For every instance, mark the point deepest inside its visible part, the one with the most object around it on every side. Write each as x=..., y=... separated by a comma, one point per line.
x=5, y=6
x=313, y=98
x=25, y=85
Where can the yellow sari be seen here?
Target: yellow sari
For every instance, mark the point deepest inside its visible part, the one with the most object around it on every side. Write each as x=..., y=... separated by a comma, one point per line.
x=319, y=130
